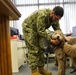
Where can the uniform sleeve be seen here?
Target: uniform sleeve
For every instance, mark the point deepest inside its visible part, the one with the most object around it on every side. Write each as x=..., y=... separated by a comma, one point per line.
x=56, y=26
x=41, y=26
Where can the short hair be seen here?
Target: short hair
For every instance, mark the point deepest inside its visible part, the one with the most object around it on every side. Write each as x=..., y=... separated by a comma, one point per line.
x=59, y=11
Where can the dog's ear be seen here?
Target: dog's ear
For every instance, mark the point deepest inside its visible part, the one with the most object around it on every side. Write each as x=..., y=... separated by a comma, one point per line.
x=62, y=44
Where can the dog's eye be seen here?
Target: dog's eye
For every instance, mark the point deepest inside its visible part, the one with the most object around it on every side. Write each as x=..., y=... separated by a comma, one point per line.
x=61, y=34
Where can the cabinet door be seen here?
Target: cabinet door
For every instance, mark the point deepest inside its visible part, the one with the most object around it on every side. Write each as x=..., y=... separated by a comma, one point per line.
x=14, y=56
x=20, y=57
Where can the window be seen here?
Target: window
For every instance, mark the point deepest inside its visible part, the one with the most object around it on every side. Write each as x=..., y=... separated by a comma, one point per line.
x=26, y=7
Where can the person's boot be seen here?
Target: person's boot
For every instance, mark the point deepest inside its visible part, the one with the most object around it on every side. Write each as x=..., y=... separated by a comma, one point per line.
x=43, y=71
x=35, y=72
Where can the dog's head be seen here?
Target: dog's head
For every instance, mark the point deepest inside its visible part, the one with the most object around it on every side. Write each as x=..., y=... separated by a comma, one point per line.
x=58, y=36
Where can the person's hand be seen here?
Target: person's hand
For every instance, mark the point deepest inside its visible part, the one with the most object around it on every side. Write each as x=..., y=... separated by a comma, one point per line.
x=68, y=39
x=55, y=42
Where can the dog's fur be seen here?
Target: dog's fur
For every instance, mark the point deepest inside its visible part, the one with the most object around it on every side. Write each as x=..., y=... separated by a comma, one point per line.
x=68, y=47
x=58, y=36
x=62, y=49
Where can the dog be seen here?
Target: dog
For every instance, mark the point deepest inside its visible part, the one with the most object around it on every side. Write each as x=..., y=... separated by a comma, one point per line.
x=63, y=48
x=58, y=50
x=68, y=47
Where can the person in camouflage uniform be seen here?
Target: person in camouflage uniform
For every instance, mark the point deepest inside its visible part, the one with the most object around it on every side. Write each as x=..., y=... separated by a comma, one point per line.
x=34, y=31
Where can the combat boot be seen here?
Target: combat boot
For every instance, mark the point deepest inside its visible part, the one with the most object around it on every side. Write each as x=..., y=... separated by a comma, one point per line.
x=35, y=72
x=43, y=71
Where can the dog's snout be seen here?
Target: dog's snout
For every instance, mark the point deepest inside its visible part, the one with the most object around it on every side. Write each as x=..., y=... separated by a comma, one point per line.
x=57, y=37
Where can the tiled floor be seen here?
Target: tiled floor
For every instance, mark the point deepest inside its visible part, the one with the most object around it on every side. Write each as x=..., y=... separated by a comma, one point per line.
x=25, y=70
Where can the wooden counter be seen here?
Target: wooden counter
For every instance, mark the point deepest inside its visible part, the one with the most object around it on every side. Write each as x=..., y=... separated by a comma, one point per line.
x=7, y=12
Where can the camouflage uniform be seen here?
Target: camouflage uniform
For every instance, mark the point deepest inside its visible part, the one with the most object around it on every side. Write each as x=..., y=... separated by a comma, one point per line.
x=34, y=30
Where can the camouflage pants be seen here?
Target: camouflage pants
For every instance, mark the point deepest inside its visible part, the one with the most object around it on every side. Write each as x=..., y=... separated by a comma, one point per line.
x=35, y=53
x=35, y=57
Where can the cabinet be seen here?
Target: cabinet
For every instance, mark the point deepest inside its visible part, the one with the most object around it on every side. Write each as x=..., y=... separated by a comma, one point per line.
x=17, y=54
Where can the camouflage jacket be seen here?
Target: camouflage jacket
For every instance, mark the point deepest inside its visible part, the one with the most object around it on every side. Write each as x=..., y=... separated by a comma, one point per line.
x=39, y=21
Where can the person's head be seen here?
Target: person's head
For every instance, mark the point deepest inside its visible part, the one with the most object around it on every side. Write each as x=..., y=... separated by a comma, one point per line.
x=57, y=13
